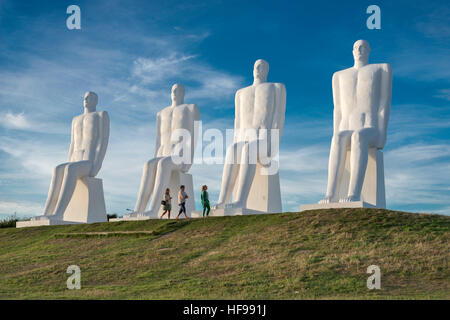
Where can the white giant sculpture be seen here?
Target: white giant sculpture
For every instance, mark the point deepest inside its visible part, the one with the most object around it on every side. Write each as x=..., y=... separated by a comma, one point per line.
x=259, y=108
x=162, y=171
x=362, y=102
x=75, y=195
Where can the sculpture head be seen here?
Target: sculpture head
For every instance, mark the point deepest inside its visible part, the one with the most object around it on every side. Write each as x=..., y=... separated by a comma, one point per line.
x=361, y=50
x=177, y=94
x=261, y=70
x=90, y=100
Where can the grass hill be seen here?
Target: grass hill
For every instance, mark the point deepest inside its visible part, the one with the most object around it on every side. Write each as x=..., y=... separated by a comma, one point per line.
x=320, y=254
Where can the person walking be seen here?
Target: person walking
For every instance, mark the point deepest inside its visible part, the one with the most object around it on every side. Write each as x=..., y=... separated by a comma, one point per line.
x=205, y=201
x=182, y=196
x=166, y=203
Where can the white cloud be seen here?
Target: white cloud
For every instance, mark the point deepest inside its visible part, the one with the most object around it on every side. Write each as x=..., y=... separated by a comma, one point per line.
x=436, y=24
x=160, y=68
x=14, y=121
x=420, y=64
x=418, y=174
x=204, y=82
x=33, y=155
x=444, y=94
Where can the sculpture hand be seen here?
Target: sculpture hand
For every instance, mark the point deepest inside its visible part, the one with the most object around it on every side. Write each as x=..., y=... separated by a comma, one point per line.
x=381, y=141
x=266, y=164
x=95, y=169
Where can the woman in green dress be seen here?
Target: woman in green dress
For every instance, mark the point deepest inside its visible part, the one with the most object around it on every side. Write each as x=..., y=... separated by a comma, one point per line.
x=205, y=201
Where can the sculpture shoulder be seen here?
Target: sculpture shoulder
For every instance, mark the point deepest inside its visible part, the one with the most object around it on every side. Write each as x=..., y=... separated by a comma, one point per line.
x=96, y=114
x=339, y=73
x=280, y=87
x=240, y=91
x=103, y=114
x=187, y=107
x=163, y=111
x=100, y=115
x=271, y=85
x=386, y=67
x=77, y=118
x=192, y=107
x=264, y=86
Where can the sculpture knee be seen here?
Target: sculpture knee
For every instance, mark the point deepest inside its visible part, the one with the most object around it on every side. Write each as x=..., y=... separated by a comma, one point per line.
x=58, y=169
x=149, y=163
x=250, y=147
x=164, y=163
x=231, y=151
x=72, y=170
x=234, y=147
x=339, y=139
x=69, y=170
x=359, y=139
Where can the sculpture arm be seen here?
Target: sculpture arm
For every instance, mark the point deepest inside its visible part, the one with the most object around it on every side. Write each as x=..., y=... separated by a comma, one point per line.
x=237, y=123
x=278, y=117
x=102, y=144
x=193, y=140
x=71, y=147
x=337, y=116
x=280, y=108
x=158, y=134
x=385, y=104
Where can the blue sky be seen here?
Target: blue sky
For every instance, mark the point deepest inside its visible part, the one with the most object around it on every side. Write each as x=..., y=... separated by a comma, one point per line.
x=131, y=52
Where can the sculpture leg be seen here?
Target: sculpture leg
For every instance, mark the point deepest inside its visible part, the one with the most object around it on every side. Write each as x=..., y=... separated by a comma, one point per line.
x=147, y=184
x=336, y=164
x=247, y=171
x=358, y=161
x=72, y=172
x=163, y=172
x=54, y=190
x=229, y=174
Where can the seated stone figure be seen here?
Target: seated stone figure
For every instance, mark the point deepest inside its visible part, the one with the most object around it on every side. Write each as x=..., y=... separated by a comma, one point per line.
x=362, y=102
x=90, y=134
x=259, y=108
x=162, y=171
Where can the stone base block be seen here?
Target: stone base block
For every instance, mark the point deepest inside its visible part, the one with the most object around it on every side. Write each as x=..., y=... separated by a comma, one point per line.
x=87, y=205
x=336, y=205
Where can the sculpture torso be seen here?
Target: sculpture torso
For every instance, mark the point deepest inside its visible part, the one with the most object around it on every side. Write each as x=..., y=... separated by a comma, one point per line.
x=359, y=96
x=256, y=106
x=172, y=118
x=86, y=132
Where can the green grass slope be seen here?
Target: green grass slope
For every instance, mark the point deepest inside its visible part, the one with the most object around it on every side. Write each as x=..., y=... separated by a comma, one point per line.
x=310, y=255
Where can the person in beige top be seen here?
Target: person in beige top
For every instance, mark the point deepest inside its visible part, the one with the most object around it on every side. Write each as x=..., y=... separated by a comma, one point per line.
x=182, y=196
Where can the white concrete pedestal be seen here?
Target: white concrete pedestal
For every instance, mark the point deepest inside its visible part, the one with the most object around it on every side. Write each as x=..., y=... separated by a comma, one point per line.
x=87, y=205
x=176, y=180
x=373, y=192
x=336, y=205
x=264, y=197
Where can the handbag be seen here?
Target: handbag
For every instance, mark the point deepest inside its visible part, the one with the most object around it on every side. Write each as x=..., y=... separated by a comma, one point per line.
x=163, y=202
